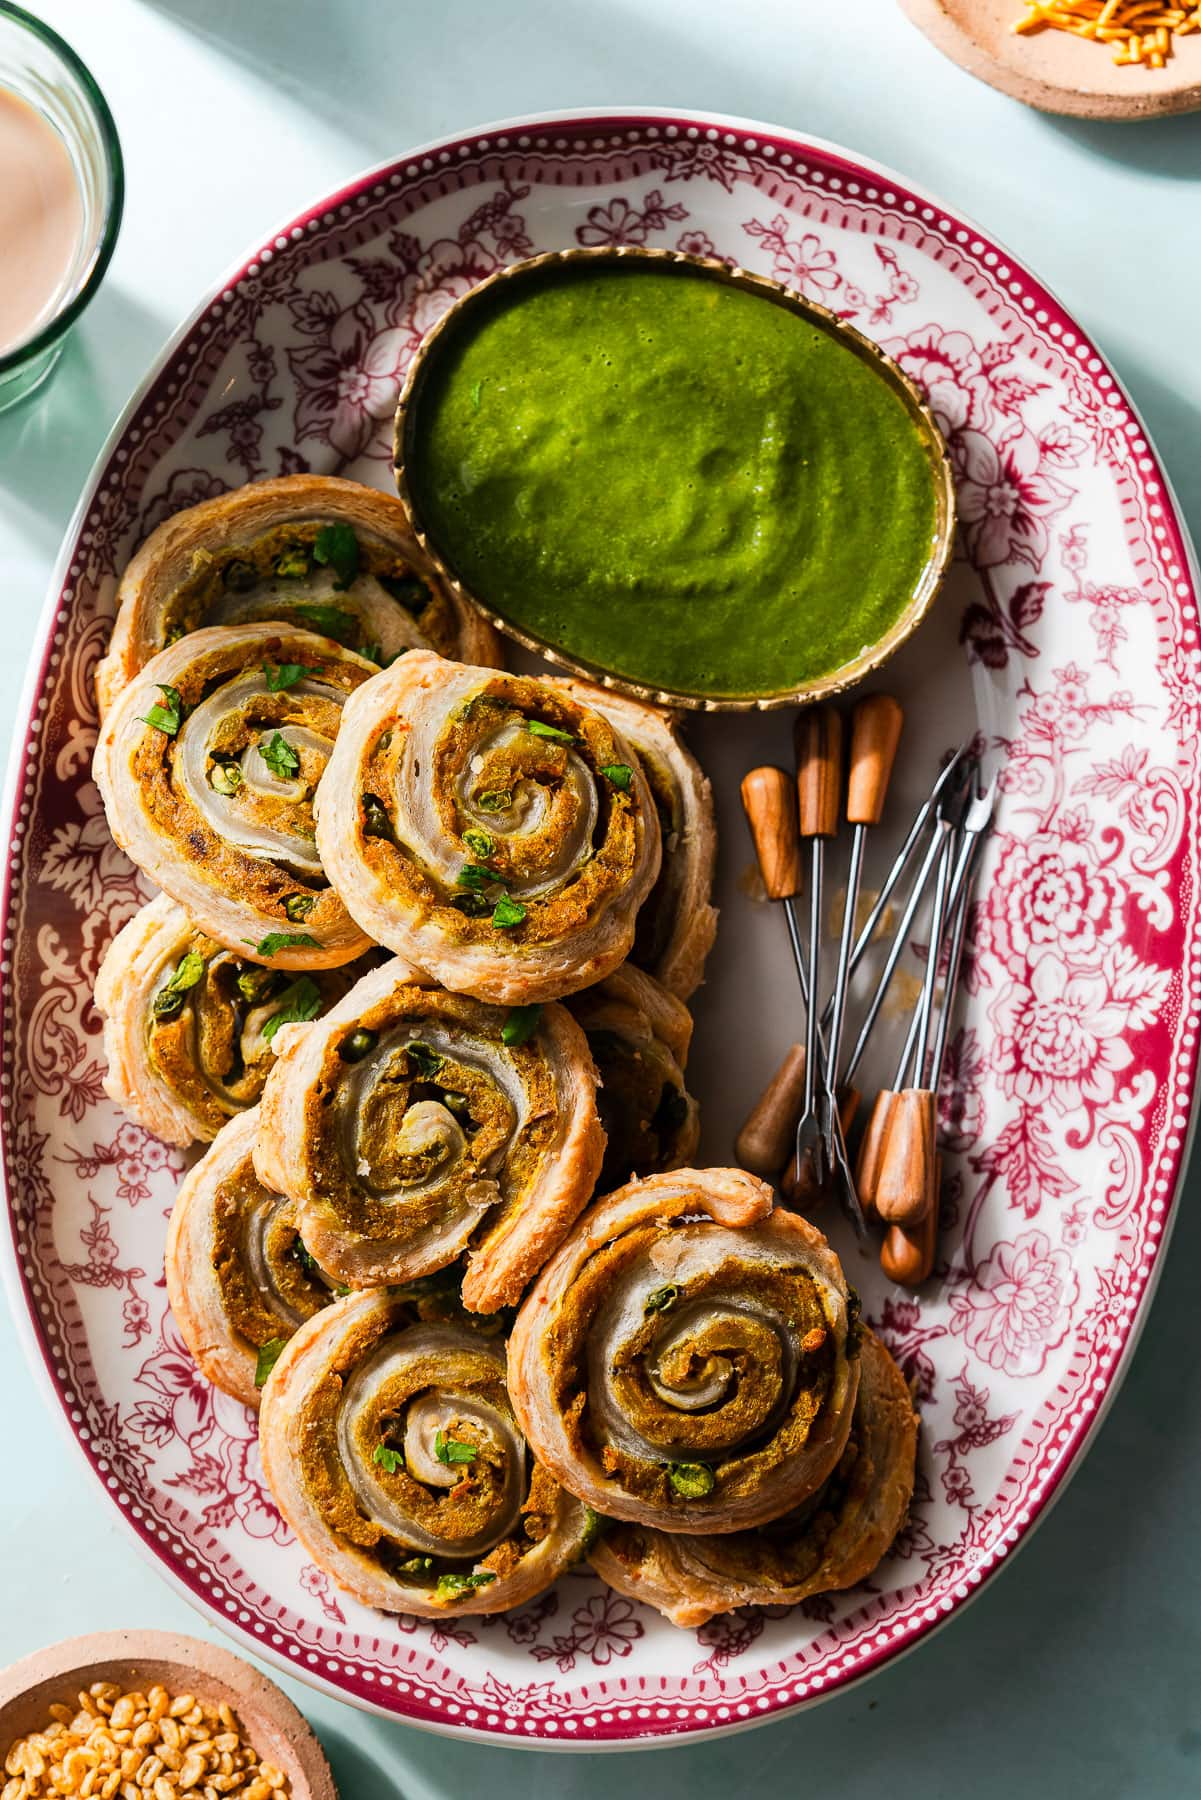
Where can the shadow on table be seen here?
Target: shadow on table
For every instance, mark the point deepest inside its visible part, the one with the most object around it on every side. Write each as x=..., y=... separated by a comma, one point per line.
x=49, y=443
x=1170, y=416
x=1169, y=147
x=416, y=71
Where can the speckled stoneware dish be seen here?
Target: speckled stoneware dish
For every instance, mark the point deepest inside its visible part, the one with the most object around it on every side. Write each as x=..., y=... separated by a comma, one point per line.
x=1056, y=71
x=529, y=274
x=137, y=1660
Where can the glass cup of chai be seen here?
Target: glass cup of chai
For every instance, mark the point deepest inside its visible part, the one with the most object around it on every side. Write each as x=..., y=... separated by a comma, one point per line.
x=62, y=187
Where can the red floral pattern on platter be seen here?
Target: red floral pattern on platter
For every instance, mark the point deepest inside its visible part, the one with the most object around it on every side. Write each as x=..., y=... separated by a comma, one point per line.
x=1070, y=1072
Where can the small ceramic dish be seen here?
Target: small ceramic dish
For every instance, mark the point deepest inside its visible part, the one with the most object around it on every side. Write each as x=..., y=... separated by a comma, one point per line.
x=138, y=1660
x=1056, y=71
x=532, y=272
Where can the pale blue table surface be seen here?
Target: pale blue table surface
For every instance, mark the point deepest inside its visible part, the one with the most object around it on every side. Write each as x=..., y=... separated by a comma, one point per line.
x=1075, y=1673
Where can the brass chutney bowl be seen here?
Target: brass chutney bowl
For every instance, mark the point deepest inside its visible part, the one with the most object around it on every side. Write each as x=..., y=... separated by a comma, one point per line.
x=407, y=454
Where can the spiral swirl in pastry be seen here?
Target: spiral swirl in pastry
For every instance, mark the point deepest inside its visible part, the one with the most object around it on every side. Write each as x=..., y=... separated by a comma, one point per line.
x=393, y=1453
x=833, y=1540
x=208, y=765
x=240, y=1278
x=684, y=1359
x=411, y=1125
x=489, y=829
x=189, y=1027
x=639, y=1036
x=316, y=551
x=677, y=925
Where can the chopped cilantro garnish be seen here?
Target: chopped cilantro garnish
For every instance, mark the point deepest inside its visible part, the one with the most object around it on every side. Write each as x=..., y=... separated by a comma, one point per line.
x=520, y=1025
x=331, y=621
x=536, y=728
x=337, y=547
x=450, y=1450
x=280, y=676
x=297, y=1004
x=507, y=913
x=427, y=1062
x=168, y=717
x=280, y=757
x=275, y=941
x=619, y=774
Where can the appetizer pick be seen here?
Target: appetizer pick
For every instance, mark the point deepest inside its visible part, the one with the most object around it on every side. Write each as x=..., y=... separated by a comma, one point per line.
x=311, y=550
x=687, y=1359
x=393, y=1452
x=489, y=829
x=831, y=1541
x=639, y=1036
x=411, y=1124
x=208, y=766
x=190, y=1027
x=240, y=1278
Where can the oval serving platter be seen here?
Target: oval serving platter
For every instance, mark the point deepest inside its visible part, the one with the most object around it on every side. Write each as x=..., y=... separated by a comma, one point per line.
x=1066, y=640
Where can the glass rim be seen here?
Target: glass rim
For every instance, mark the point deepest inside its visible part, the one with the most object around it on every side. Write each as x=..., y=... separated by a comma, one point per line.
x=110, y=142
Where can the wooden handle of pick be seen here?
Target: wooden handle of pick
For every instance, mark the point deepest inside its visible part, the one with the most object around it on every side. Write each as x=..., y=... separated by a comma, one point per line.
x=907, y=1253
x=770, y=807
x=871, y=1151
x=769, y=1134
x=817, y=736
x=905, y=1182
x=875, y=733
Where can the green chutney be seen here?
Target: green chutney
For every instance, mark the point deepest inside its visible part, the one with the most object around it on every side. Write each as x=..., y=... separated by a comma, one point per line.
x=678, y=480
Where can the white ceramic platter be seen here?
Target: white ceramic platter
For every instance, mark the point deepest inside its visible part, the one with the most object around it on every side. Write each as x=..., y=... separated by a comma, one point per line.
x=1067, y=640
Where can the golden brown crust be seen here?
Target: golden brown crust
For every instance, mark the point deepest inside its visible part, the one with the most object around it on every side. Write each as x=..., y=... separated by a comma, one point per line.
x=481, y=1537
x=833, y=1542
x=469, y=825
x=226, y=1281
x=183, y=1075
x=193, y=801
x=639, y=1035
x=184, y=544
x=682, y=1361
x=678, y=924
x=399, y=1160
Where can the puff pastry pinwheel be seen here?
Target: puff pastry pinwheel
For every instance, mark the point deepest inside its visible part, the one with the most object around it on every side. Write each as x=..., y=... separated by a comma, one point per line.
x=313, y=550
x=677, y=925
x=240, y=1278
x=685, y=1359
x=189, y=1026
x=488, y=828
x=639, y=1035
x=411, y=1125
x=208, y=765
x=833, y=1540
x=392, y=1451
